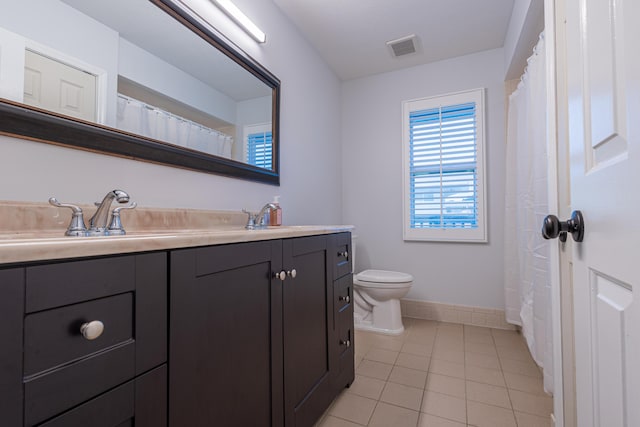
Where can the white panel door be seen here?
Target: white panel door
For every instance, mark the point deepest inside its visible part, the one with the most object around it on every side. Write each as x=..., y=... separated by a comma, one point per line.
x=58, y=87
x=603, y=92
x=11, y=65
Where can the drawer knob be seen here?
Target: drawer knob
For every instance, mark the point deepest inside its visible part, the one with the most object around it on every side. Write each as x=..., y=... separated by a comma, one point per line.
x=280, y=275
x=343, y=254
x=345, y=299
x=346, y=343
x=293, y=273
x=92, y=330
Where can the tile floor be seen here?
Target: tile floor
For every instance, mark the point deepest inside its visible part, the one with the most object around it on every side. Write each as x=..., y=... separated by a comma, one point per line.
x=443, y=375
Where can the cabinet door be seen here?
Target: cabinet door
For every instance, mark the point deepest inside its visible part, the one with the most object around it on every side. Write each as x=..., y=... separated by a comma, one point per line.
x=307, y=329
x=11, y=326
x=225, y=334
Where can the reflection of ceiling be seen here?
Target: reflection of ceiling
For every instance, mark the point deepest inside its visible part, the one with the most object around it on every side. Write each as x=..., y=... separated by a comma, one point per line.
x=145, y=25
x=351, y=34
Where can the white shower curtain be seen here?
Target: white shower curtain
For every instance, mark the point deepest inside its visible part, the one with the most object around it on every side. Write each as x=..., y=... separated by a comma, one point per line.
x=142, y=119
x=527, y=268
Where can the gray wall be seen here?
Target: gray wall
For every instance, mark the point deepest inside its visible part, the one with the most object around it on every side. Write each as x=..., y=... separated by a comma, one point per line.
x=454, y=273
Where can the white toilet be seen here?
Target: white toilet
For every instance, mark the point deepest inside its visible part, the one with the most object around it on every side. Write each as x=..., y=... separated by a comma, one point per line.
x=377, y=296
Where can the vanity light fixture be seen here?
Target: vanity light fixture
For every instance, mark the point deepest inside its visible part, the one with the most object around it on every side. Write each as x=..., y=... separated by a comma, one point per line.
x=232, y=11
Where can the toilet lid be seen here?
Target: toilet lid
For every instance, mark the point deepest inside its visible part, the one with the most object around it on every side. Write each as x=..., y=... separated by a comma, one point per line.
x=383, y=276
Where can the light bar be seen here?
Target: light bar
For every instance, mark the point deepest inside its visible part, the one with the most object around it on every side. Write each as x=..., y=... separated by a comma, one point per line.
x=241, y=19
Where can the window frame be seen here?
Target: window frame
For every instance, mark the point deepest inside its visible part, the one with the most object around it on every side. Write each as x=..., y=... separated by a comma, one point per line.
x=470, y=235
x=252, y=129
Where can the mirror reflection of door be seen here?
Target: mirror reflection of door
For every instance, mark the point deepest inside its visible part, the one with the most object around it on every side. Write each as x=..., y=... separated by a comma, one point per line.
x=55, y=86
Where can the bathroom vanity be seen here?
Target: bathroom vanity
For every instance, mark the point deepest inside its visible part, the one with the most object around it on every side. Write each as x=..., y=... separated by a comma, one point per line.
x=220, y=327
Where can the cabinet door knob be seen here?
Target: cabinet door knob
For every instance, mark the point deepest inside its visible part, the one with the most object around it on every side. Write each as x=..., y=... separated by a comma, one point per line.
x=345, y=299
x=293, y=273
x=92, y=330
x=343, y=254
x=279, y=275
x=346, y=343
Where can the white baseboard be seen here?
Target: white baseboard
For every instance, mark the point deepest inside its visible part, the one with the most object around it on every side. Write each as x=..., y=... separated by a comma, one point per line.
x=467, y=315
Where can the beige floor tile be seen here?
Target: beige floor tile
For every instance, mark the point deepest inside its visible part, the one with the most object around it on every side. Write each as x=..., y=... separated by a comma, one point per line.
x=402, y=395
x=528, y=368
x=449, y=345
x=524, y=383
x=353, y=408
x=476, y=330
x=387, y=342
x=424, y=324
x=450, y=328
x=481, y=360
x=484, y=375
x=531, y=403
x=381, y=355
x=444, y=406
x=389, y=415
x=366, y=387
x=413, y=361
x=444, y=367
x=528, y=420
x=417, y=349
x=408, y=376
x=478, y=339
x=421, y=337
x=427, y=420
x=488, y=349
x=489, y=394
x=446, y=385
x=515, y=353
x=482, y=415
x=330, y=421
x=511, y=340
x=455, y=356
x=370, y=368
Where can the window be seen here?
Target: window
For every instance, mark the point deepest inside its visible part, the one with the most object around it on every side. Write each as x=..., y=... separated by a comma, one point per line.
x=443, y=148
x=259, y=146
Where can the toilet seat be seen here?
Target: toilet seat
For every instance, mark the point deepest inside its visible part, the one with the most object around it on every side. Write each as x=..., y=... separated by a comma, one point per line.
x=383, y=279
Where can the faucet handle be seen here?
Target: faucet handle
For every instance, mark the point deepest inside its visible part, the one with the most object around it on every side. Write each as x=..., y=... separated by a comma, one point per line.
x=115, y=226
x=76, y=226
x=251, y=221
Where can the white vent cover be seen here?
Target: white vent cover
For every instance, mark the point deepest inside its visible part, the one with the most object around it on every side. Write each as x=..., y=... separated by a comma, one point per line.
x=403, y=46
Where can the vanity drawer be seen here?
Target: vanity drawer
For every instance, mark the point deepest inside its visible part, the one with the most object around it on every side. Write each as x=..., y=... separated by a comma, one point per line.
x=62, y=388
x=342, y=254
x=342, y=293
x=53, y=338
x=55, y=285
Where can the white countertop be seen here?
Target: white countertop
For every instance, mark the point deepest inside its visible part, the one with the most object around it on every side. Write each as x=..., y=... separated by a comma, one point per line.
x=24, y=247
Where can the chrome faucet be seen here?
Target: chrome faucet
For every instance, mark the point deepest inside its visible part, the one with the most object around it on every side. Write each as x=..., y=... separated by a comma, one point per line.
x=257, y=220
x=98, y=222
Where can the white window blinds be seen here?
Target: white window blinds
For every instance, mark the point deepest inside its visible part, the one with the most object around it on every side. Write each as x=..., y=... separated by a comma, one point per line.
x=260, y=150
x=444, y=192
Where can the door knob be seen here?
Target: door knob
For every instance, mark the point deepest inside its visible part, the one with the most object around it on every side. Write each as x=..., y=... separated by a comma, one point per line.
x=552, y=227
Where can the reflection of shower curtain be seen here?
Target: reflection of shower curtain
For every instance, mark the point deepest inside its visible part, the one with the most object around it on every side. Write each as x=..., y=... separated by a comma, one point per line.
x=142, y=119
x=527, y=276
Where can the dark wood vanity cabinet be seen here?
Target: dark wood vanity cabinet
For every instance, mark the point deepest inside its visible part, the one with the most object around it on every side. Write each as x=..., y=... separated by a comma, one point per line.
x=246, y=334
x=51, y=375
x=255, y=333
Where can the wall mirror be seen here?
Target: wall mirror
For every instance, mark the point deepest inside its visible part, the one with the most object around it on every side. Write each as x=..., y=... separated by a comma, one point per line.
x=143, y=79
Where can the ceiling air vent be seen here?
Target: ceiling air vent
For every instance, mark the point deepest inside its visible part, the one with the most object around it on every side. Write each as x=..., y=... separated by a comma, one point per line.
x=403, y=46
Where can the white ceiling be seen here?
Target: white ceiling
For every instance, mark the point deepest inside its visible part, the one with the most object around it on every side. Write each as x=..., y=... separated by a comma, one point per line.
x=351, y=34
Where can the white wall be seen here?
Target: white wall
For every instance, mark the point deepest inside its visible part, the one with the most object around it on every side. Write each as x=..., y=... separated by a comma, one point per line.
x=310, y=146
x=454, y=273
